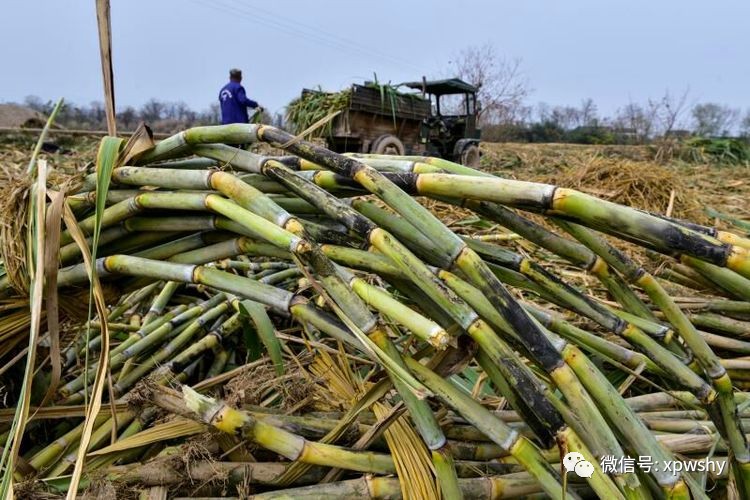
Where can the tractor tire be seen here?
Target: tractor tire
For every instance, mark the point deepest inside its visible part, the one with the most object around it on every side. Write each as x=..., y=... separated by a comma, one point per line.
x=470, y=156
x=387, y=145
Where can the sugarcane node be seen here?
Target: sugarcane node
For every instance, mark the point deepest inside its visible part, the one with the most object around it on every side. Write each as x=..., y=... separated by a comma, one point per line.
x=338, y=179
x=406, y=181
x=689, y=360
x=729, y=238
x=291, y=162
x=681, y=241
x=721, y=380
x=739, y=258
x=215, y=413
x=212, y=179
x=308, y=151
x=623, y=328
x=216, y=334
x=138, y=201
x=668, y=336
x=298, y=300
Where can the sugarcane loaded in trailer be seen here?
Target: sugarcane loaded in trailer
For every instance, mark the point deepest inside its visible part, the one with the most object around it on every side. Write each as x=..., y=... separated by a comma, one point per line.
x=439, y=120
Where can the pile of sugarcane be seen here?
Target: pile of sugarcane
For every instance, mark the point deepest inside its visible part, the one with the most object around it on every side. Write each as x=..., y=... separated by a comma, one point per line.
x=302, y=326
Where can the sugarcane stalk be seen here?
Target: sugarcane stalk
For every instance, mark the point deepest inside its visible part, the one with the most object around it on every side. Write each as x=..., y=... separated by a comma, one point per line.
x=627, y=223
x=406, y=261
x=251, y=199
x=419, y=325
x=314, y=195
x=226, y=419
x=724, y=278
x=46, y=456
x=365, y=176
x=575, y=253
x=219, y=363
x=290, y=209
x=273, y=224
x=149, y=335
x=160, y=302
x=661, y=233
x=98, y=437
x=520, y=448
x=129, y=302
x=726, y=418
x=199, y=326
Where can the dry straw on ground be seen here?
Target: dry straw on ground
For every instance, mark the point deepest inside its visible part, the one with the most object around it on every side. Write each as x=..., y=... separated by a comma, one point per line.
x=643, y=185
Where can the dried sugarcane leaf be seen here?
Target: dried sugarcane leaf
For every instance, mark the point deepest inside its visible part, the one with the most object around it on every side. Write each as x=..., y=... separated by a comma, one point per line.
x=161, y=432
x=104, y=24
x=52, y=229
x=37, y=249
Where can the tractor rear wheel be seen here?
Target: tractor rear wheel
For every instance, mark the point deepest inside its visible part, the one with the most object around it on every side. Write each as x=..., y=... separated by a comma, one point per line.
x=470, y=156
x=387, y=145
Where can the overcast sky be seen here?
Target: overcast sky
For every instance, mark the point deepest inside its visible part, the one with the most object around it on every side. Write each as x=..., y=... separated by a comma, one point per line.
x=611, y=51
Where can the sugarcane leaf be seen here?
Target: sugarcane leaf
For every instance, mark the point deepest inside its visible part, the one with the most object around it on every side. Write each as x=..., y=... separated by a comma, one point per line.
x=252, y=341
x=114, y=152
x=461, y=383
x=54, y=412
x=265, y=330
x=103, y=365
x=475, y=221
x=61, y=484
x=106, y=160
x=43, y=135
x=711, y=212
x=472, y=376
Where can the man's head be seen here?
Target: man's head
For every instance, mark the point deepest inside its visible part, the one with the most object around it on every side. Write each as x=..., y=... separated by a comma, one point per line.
x=235, y=75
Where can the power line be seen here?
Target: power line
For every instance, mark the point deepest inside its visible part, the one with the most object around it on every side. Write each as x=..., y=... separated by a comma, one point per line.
x=333, y=41
x=333, y=36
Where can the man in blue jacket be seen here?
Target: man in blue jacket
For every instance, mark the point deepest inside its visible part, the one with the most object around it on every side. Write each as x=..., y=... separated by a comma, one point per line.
x=234, y=102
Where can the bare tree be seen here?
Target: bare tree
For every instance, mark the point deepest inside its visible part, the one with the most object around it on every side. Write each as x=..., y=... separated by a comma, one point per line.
x=712, y=119
x=152, y=111
x=212, y=115
x=183, y=112
x=542, y=110
x=127, y=117
x=163, y=116
x=669, y=110
x=502, y=84
x=640, y=119
x=523, y=115
x=588, y=113
x=37, y=104
x=565, y=117
x=96, y=112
